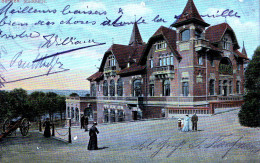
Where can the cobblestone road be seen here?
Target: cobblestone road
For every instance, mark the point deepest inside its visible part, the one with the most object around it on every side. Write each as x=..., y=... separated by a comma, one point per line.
x=220, y=139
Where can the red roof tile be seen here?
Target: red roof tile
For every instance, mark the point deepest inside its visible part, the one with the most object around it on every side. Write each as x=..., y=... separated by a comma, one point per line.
x=239, y=54
x=190, y=14
x=136, y=36
x=95, y=76
x=168, y=35
x=133, y=68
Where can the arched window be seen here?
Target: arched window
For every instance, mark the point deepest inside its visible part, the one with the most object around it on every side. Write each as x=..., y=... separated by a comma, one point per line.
x=120, y=87
x=230, y=87
x=225, y=66
x=112, y=88
x=166, y=88
x=219, y=87
x=185, y=35
x=93, y=90
x=105, y=88
x=211, y=87
x=185, y=88
x=137, y=88
x=238, y=87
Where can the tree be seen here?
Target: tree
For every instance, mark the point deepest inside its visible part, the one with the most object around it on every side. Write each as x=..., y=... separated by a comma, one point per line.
x=74, y=95
x=6, y=108
x=19, y=101
x=37, y=102
x=51, y=104
x=249, y=114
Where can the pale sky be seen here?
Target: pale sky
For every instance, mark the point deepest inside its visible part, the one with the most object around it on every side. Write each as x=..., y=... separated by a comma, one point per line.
x=20, y=52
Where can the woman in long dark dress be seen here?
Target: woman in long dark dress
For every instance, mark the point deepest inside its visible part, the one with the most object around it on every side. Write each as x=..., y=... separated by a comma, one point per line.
x=47, y=130
x=93, y=131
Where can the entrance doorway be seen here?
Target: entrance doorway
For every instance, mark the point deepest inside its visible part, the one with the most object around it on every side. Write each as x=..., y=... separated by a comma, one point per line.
x=134, y=114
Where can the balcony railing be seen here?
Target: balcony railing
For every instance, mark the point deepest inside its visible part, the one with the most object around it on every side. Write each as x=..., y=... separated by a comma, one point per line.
x=163, y=72
x=200, y=44
x=110, y=71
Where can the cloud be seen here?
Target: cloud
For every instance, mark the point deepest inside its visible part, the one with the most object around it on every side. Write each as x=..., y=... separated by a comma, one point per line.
x=136, y=9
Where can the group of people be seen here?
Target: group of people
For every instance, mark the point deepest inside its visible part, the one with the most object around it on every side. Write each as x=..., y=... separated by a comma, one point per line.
x=186, y=126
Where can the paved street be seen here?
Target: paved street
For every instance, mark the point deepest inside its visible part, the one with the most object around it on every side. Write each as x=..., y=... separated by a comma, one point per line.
x=220, y=139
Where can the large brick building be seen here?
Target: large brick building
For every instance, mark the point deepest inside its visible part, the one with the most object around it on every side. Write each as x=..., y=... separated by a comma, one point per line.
x=178, y=71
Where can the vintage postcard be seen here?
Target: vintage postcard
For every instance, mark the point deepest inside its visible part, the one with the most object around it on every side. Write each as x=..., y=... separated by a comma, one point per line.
x=129, y=81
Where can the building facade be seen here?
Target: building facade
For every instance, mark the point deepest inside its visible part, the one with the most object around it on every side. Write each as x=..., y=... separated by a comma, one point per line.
x=178, y=71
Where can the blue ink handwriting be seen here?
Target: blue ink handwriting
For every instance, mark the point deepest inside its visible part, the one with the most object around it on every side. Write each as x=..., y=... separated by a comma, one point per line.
x=67, y=51
x=66, y=11
x=54, y=39
x=157, y=19
x=118, y=23
x=23, y=34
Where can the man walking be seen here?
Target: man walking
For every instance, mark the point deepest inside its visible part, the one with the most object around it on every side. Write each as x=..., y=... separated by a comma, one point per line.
x=82, y=122
x=194, y=120
x=93, y=131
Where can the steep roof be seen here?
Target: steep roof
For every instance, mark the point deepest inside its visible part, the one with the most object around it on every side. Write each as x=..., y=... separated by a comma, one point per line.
x=190, y=14
x=168, y=35
x=96, y=76
x=136, y=36
x=244, y=50
x=215, y=33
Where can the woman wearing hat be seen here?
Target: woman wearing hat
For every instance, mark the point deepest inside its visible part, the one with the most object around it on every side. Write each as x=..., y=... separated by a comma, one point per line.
x=93, y=131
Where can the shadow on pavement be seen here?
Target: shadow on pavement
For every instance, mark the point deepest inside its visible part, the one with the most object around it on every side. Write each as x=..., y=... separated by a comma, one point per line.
x=102, y=148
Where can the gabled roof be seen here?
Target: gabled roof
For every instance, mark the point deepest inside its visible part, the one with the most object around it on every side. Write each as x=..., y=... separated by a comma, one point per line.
x=96, y=76
x=168, y=35
x=190, y=14
x=136, y=36
x=215, y=33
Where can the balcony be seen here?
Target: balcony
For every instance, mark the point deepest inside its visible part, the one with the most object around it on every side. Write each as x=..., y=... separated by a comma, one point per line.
x=164, y=72
x=110, y=71
x=201, y=44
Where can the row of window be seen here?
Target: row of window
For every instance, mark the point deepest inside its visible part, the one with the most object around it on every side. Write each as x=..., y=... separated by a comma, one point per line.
x=112, y=88
x=224, y=89
x=160, y=45
x=166, y=91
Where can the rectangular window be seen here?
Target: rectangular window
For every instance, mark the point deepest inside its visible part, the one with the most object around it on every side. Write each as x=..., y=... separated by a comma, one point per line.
x=171, y=60
x=212, y=62
x=238, y=66
x=185, y=88
x=151, y=63
x=200, y=60
x=168, y=60
x=160, y=62
x=164, y=61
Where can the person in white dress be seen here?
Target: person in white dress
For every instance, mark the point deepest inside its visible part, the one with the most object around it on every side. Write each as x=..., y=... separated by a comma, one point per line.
x=186, y=126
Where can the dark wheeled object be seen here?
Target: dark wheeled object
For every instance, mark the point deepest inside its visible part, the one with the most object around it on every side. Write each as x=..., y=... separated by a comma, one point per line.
x=11, y=125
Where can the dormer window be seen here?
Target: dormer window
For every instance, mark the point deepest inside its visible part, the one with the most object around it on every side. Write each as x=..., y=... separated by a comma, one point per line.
x=185, y=35
x=111, y=61
x=226, y=44
x=160, y=45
